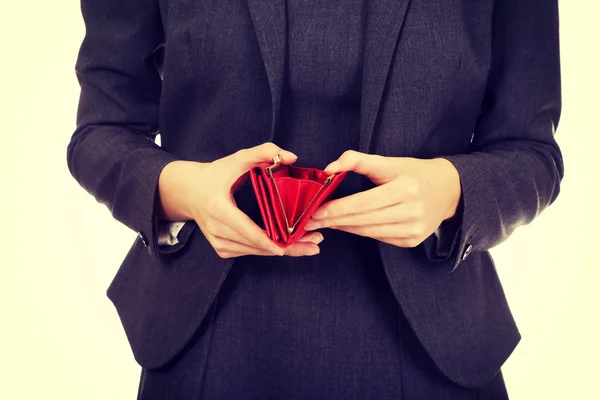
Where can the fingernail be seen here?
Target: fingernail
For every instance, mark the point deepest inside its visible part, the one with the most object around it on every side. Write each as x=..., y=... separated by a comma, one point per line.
x=311, y=225
x=313, y=251
x=332, y=167
x=320, y=214
x=318, y=239
x=289, y=153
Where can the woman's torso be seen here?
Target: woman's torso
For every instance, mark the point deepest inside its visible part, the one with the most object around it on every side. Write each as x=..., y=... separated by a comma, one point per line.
x=291, y=325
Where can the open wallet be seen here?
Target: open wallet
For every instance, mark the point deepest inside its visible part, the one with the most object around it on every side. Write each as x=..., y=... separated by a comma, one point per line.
x=288, y=195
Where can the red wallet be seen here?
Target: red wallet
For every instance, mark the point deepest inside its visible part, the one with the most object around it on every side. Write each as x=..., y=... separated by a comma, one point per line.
x=287, y=196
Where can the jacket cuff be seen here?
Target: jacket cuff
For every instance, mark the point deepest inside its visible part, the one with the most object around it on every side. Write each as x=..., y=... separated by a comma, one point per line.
x=473, y=211
x=182, y=236
x=441, y=246
x=139, y=210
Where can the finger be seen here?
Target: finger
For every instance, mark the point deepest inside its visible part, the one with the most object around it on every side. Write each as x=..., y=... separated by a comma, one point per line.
x=239, y=222
x=217, y=242
x=265, y=152
x=402, y=231
x=306, y=246
x=406, y=243
x=313, y=237
x=300, y=249
x=373, y=166
x=397, y=213
x=220, y=230
x=369, y=200
x=226, y=233
x=226, y=248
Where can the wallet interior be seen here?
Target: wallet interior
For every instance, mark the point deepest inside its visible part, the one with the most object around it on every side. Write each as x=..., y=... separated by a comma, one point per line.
x=287, y=196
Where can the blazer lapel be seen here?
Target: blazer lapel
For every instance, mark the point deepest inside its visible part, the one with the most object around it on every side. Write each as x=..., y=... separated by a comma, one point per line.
x=383, y=28
x=269, y=19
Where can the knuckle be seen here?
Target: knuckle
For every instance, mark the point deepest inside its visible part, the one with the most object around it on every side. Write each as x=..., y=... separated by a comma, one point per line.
x=413, y=187
x=412, y=242
x=349, y=156
x=270, y=147
x=349, y=153
x=421, y=233
x=419, y=210
x=418, y=231
x=240, y=154
x=409, y=185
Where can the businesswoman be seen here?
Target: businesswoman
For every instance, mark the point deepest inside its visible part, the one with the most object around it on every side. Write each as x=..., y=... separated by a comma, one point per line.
x=444, y=114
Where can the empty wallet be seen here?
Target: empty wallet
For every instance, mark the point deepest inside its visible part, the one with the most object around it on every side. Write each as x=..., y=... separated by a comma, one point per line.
x=288, y=195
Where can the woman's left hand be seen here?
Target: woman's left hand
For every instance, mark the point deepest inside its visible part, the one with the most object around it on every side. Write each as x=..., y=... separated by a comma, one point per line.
x=413, y=197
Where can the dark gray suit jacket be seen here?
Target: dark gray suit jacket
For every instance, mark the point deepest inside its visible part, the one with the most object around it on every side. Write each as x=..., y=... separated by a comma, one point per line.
x=476, y=82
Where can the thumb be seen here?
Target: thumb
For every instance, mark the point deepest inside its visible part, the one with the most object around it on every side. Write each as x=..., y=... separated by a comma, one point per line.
x=247, y=158
x=375, y=167
x=361, y=163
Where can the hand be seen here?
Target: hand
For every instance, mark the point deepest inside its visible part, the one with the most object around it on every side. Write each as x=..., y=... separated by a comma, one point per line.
x=204, y=192
x=412, y=199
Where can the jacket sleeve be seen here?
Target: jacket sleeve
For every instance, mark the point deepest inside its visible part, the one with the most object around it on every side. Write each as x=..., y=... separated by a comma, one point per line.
x=112, y=152
x=514, y=168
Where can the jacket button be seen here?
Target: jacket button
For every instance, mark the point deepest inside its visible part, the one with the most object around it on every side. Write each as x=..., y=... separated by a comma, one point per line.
x=143, y=239
x=467, y=252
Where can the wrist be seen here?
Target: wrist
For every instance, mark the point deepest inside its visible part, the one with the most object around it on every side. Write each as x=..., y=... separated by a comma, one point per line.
x=451, y=180
x=173, y=199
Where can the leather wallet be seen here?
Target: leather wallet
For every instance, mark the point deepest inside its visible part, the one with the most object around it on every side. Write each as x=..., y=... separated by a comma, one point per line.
x=288, y=195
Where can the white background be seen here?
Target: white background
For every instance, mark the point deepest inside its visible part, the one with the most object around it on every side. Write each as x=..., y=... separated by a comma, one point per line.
x=60, y=337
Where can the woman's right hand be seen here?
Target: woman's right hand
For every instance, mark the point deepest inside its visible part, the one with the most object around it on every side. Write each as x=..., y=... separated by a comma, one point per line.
x=203, y=192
